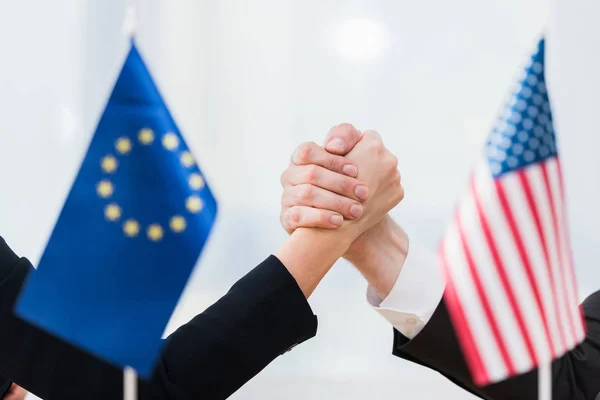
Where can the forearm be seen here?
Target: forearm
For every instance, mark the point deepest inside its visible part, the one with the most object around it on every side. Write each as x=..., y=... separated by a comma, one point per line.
x=262, y=316
x=382, y=256
x=308, y=254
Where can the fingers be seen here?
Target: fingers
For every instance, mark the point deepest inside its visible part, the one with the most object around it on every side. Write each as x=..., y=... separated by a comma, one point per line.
x=325, y=179
x=312, y=196
x=342, y=138
x=311, y=153
x=308, y=217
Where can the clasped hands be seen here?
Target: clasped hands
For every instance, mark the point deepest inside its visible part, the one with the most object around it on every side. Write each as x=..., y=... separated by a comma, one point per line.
x=345, y=190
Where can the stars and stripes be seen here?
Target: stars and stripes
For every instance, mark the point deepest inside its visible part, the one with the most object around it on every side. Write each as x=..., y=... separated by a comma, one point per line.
x=511, y=289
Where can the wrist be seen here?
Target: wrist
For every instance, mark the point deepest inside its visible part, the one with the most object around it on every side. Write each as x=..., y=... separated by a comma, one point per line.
x=381, y=255
x=309, y=254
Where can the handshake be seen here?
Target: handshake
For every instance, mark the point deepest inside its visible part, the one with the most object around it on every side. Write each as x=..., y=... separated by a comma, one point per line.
x=335, y=203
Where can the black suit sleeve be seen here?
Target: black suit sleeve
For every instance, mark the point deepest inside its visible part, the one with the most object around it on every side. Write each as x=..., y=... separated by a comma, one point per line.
x=575, y=376
x=4, y=386
x=262, y=316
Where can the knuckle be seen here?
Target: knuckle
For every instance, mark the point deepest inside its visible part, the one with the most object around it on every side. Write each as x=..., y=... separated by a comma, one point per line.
x=375, y=146
x=303, y=153
x=324, y=217
x=283, y=179
x=311, y=174
x=283, y=220
x=400, y=193
x=392, y=164
x=334, y=163
x=287, y=221
x=340, y=205
x=287, y=197
x=304, y=192
x=345, y=186
x=293, y=216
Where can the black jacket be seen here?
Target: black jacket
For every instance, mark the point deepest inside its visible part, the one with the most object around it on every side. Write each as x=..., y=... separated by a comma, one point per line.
x=262, y=316
x=576, y=376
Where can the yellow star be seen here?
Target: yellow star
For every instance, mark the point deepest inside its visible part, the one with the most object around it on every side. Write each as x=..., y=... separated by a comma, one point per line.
x=109, y=164
x=105, y=189
x=123, y=145
x=196, y=181
x=170, y=141
x=112, y=212
x=187, y=159
x=131, y=228
x=194, y=204
x=177, y=224
x=146, y=136
x=155, y=232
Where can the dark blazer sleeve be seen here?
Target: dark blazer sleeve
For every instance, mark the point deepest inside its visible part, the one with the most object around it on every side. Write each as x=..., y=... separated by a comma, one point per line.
x=262, y=316
x=575, y=376
x=4, y=386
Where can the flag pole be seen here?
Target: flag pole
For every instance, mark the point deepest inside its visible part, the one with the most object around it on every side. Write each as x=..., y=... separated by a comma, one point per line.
x=129, y=384
x=545, y=381
x=130, y=379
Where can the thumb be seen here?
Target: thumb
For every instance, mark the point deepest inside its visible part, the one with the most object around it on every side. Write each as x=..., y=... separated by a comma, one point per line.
x=342, y=138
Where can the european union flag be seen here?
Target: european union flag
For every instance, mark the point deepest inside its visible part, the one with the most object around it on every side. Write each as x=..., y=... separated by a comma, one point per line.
x=129, y=234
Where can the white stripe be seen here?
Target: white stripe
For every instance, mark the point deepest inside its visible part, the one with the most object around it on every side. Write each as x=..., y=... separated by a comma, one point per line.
x=573, y=301
x=526, y=226
x=490, y=280
x=509, y=255
x=538, y=188
x=471, y=305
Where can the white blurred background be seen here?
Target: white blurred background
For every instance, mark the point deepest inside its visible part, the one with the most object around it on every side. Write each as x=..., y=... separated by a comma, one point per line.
x=247, y=81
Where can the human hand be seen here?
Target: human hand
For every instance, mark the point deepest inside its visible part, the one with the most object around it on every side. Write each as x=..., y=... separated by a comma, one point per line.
x=378, y=168
x=317, y=194
x=380, y=251
x=309, y=253
x=320, y=188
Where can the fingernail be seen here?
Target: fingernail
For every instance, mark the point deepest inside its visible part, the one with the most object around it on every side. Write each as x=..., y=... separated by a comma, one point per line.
x=336, y=219
x=362, y=192
x=356, y=210
x=336, y=144
x=350, y=170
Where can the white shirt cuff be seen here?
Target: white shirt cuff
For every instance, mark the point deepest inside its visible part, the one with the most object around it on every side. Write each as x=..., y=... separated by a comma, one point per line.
x=415, y=295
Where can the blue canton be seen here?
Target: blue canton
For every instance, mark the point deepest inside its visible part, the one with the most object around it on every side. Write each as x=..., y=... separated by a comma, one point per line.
x=524, y=133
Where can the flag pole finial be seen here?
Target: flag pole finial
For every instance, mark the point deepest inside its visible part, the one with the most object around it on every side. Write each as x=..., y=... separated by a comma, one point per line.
x=130, y=25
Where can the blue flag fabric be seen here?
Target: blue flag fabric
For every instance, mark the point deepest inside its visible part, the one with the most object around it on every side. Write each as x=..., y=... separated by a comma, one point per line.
x=129, y=234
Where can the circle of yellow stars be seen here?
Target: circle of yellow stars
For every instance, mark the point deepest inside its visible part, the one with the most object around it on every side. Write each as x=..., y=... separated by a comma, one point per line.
x=105, y=188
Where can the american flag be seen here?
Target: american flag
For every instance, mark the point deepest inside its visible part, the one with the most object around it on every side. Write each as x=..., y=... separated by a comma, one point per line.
x=511, y=288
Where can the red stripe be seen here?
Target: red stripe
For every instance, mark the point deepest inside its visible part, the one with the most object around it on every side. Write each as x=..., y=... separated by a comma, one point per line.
x=526, y=186
x=524, y=258
x=485, y=302
x=501, y=271
x=466, y=339
x=562, y=282
x=568, y=243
